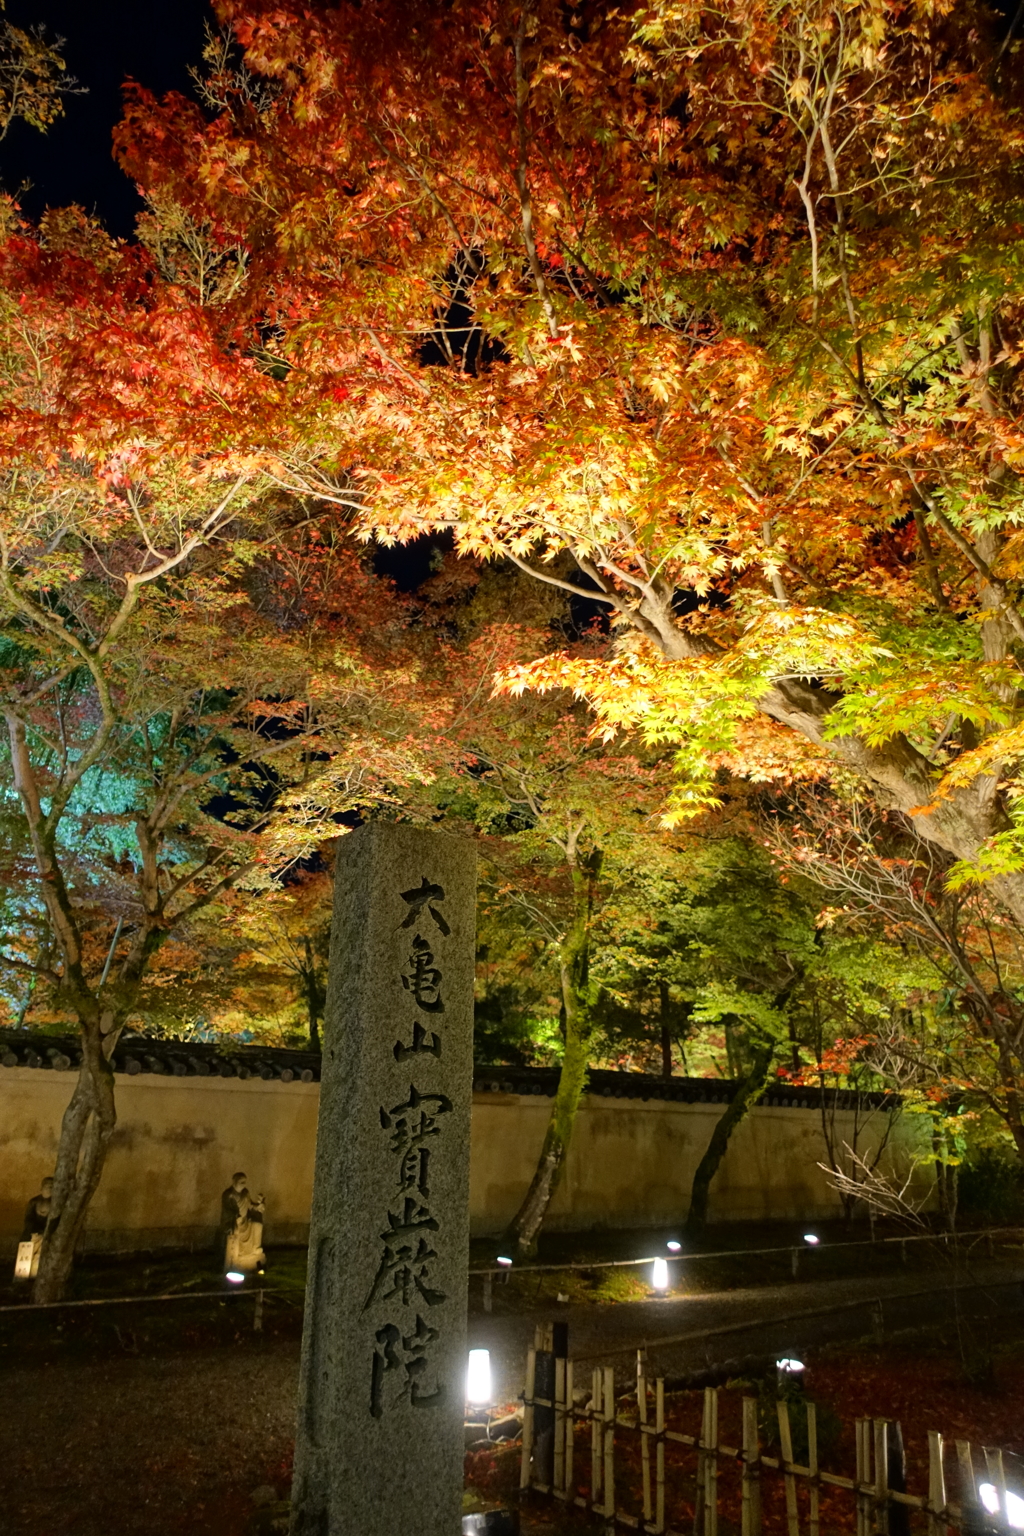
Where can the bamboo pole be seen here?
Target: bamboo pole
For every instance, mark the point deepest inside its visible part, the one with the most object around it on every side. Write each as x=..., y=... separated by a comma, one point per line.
x=711, y=1463
x=813, y=1523
x=609, y=1442
x=936, y=1486
x=531, y=1372
x=659, y=1427
x=968, y=1489
x=570, y=1433
x=881, y=1429
x=595, y=1442
x=645, y=1439
x=786, y=1444
x=698, y=1487
x=559, y=1483
x=862, y=1475
x=997, y=1475
x=751, y=1516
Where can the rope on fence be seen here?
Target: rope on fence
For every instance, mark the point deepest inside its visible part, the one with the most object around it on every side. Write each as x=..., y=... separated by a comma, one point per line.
x=748, y=1253
x=122, y=1301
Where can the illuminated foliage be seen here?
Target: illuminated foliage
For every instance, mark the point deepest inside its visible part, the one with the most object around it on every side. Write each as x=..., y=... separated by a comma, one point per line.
x=712, y=315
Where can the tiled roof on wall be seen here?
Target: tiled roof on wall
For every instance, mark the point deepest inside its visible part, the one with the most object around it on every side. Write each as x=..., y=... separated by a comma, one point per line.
x=135, y=1055
x=685, y=1090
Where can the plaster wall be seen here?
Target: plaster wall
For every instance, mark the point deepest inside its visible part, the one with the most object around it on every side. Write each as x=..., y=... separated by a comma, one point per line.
x=178, y=1141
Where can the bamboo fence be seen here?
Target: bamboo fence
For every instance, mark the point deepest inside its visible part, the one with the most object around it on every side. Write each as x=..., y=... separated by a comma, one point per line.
x=875, y=1507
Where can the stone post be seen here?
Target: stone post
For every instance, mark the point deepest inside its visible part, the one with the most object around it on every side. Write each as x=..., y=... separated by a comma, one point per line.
x=379, y=1444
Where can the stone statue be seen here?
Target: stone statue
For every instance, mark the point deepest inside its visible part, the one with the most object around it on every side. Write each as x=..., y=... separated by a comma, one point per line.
x=240, y=1235
x=36, y=1216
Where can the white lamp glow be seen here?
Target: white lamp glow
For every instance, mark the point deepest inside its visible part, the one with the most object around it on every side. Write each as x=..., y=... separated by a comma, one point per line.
x=505, y=1263
x=1014, y=1511
x=235, y=1276
x=989, y=1497
x=988, y=1493
x=659, y=1278
x=673, y=1246
x=790, y=1366
x=478, y=1378
x=809, y=1237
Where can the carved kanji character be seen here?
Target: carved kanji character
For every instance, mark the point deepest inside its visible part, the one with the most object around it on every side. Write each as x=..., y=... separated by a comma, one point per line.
x=422, y=1044
x=423, y=979
x=407, y=1353
x=425, y=897
x=412, y=1123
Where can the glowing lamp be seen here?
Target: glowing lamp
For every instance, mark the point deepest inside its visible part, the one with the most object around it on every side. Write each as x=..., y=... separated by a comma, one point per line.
x=789, y=1373
x=673, y=1246
x=810, y=1237
x=504, y=1262
x=235, y=1276
x=478, y=1378
x=659, y=1279
x=989, y=1497
x=988, y=1493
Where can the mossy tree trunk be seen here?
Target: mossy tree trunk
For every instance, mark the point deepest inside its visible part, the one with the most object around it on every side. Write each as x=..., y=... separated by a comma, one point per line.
x=574, y=964
x=314, y=991
x=102, y=1008
x=746, y=1096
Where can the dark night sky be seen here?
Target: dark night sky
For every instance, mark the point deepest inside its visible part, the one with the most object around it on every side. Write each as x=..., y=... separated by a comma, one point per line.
x=107, y=41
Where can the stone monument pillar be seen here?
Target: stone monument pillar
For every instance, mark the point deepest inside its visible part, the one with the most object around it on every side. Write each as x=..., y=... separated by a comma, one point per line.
x=379, y=1444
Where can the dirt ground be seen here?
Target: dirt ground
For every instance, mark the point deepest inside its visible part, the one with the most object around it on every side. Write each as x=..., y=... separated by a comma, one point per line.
x=166, y=1419
x=132, y=1444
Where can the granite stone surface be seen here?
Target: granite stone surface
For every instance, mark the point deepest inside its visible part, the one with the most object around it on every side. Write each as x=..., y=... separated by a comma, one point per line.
x=381, y=1396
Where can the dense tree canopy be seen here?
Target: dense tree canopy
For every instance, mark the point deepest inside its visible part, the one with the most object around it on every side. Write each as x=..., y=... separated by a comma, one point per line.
x=699, y=331
x=728, y=302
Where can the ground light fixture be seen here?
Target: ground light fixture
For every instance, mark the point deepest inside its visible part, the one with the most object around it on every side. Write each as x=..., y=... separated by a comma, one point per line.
x=235, y=1276
x=659, y=1278
x=812, y=1238
x=789, y=1371
x=988, y=1493
x=673, y=1246
x=504, y=1262
x=478, y=1378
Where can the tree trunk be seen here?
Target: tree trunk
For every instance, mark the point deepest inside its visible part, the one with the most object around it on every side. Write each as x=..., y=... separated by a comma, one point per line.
x=86, y=1130
x=666, y=1031
x=745, y=1097
x=524, y=1229
x=315, y=996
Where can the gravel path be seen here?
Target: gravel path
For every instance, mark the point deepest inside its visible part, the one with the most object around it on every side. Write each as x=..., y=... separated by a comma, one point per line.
x=174, y=1443
x=907, y=1301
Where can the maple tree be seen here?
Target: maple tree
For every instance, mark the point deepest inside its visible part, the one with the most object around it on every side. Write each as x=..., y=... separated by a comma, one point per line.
x=573, y=853
x=553, y=812
x=168, y=616
x=706, y=318
x=955, y=1049
x=277, y=977
x=33, y=78
x=767, y=988
x=709, y=315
